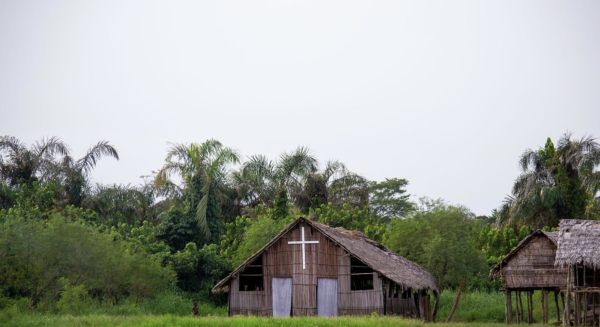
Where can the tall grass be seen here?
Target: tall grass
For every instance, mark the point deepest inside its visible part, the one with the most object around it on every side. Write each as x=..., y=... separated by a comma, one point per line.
x=173, y=308
x=171, y=320
x=473, y=307
x=489, y=307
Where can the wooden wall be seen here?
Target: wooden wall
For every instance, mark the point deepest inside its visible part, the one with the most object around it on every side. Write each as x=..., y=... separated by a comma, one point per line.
x=533, y=267
x=397, y=305
x=325, y=260
x=358, y=302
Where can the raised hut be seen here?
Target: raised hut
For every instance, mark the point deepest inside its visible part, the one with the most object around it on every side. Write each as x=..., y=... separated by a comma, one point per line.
x=311, y=269
x=579, y=253
x=528, y=268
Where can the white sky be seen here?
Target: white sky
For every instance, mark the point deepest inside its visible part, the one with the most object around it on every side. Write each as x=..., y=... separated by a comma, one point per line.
x=446, y=94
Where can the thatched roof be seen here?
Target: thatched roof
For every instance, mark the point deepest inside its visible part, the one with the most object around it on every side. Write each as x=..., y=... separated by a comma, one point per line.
x=552, y=236
x=578, y=243
x=373, y=254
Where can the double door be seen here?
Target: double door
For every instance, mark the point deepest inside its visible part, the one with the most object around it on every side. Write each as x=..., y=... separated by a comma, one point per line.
x=327, y=295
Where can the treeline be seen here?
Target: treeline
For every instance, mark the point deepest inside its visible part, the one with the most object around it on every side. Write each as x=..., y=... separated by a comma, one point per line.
x=65, y=240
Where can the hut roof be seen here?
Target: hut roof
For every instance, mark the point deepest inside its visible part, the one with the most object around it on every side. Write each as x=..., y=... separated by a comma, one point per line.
x=373, y=254
x=552, y=236
x=578, y=243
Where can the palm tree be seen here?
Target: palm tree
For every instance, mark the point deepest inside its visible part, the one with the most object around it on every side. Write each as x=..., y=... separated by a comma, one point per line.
x=203, y=166
x=122, y=203
x=555, y=183
x=73, y=175
x=25, y=165
x=297, y=173
x=255, y=182
x=336, y=185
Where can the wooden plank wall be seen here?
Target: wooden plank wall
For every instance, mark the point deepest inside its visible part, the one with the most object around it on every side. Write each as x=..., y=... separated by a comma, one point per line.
x=533, y=267
x=285, y=260
x=398, y=305
x=357, y=302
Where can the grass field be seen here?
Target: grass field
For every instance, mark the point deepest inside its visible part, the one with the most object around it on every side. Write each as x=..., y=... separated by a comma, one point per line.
x=476, y=309
x=170, y=320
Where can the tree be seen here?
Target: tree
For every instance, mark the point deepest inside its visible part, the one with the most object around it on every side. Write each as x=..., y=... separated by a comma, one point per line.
x=336, y=185
x=121, y=203
x=388, y=199
x=203, y=169
x=442, y=238
x=261, y=179
x=555, y=183
x=28, y=165
x=73, y=175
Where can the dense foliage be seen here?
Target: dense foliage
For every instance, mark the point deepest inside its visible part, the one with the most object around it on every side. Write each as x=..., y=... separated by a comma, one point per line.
x=556, y=183
x=67, y=245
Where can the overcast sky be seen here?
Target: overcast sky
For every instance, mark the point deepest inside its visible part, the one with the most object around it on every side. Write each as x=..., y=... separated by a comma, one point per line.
x=446, y=94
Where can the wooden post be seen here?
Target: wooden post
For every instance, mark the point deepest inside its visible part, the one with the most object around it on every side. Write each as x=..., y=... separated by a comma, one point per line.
x=529, y=307
x=521, y=316
x=518, y=305
x=577, y=309
x=557, y=307
x=508, y=307
x=585, y=305
x=544, y=307
x=567, y=304
x=567, y=310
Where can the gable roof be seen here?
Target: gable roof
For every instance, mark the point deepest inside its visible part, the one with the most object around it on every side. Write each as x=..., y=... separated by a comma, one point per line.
x=552, y=236
x=578, y=243
x=396, y=268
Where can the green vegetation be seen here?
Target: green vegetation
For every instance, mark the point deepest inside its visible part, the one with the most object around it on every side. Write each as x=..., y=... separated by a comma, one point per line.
x=82, y=254
x=103, y=320
x=556, y=183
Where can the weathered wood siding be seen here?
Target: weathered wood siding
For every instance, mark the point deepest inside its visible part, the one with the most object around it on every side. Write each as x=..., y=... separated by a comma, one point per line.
x=533, y=267
x=357, y=302
x=397, y=305
x=285, y=260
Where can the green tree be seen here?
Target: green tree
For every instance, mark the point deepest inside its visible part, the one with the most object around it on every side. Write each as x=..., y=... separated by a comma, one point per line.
x=203, y=169
x=25, y=165
x=350, y=218
x=178, y=229
x=441, y=238
x=555, y=183
x=73, y=175
x=122, y=204
x=260, y=180
x=36, y=254
x=388, y=199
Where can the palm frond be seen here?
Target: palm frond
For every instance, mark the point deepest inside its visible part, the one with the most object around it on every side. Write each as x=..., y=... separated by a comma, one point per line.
x=50, y=146
x=102, y=148
x=201, y=217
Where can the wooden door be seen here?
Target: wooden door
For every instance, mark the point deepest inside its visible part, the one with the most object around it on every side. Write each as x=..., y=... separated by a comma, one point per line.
x=327, y=295
x=282, y=297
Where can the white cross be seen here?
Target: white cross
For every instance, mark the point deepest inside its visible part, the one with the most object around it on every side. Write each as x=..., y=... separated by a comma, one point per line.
x=303, y=242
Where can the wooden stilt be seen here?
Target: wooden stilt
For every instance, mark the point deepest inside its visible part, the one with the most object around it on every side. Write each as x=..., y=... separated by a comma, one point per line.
x=519, y=306
x=508, y=308
x=567, y=310
x=557, y=307
x=577, y=308
x=585, y=307
x=545, y=310
x=529, y=307
x=517, y=310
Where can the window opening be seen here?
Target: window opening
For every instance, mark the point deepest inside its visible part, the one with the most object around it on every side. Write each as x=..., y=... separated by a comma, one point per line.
x=361, y=275
x=251, y=279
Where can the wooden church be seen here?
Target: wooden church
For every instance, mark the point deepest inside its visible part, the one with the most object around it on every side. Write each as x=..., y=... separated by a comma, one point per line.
x=311, y=269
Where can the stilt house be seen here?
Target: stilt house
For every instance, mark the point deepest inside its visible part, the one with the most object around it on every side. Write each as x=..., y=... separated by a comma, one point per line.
x=312, y=269
x=579, y=253
x=528, y=268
